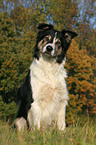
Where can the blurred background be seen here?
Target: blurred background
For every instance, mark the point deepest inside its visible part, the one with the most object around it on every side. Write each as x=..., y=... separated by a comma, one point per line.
x=18, y=30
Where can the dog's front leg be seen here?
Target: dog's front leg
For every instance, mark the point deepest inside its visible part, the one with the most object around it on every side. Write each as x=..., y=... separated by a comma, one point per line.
x=20, y=124
x=34, y=116
x=61, y=116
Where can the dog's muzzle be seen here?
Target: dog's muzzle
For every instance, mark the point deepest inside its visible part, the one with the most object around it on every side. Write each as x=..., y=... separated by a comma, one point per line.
x=49, y=50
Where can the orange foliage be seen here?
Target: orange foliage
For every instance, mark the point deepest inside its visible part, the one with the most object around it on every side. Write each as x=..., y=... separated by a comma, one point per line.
x=80, y=80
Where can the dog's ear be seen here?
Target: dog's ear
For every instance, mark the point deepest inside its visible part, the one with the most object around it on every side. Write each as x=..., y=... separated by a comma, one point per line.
x=44, y=26
x=68, y=35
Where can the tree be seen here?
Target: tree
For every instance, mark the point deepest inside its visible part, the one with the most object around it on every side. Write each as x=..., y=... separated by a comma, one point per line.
x=80, y=82
x=15, y=59
x=87, y=26
x=7, y=111
x=7, y=55
x=63, y=14
x=27, y=19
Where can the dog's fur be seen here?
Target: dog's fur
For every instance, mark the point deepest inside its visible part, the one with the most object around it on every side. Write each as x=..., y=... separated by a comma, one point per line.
x=42, y=98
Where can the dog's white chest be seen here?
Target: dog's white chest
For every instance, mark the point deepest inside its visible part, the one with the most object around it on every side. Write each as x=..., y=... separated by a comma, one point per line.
x=47, y=81
x=49, y=90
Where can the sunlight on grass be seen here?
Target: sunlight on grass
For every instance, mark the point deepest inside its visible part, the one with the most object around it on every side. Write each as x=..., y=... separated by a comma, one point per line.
x=74, y=135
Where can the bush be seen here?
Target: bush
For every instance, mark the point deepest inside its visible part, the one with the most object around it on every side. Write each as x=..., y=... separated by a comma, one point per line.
x=7, y=110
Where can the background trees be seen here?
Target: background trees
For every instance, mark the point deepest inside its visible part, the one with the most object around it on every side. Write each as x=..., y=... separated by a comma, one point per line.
x=80, y=82
x=18, y=29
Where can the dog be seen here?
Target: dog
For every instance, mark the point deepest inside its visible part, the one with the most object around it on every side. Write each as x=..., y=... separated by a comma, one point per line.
x=43, y=96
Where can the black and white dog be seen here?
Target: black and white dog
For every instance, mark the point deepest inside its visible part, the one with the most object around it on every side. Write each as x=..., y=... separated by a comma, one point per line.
x=43, y=96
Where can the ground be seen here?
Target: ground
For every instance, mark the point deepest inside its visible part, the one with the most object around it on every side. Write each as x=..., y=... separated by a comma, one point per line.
x=75, y=134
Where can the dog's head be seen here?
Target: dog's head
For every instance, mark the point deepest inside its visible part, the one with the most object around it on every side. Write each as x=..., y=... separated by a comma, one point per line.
x=52, y=43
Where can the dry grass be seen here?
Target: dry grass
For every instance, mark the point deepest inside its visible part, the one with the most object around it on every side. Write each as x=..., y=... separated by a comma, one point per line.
x=74, y=135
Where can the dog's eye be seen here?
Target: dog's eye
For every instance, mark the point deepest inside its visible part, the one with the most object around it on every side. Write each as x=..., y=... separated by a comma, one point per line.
x=58, y=43
x=47, y=38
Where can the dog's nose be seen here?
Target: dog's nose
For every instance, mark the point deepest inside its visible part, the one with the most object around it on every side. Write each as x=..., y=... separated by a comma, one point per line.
x=49, y=48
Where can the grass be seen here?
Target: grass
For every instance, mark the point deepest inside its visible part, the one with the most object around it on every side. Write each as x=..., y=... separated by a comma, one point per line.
x=74, y=135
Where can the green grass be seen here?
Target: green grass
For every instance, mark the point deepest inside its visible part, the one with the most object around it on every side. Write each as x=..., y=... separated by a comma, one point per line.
x=74, y=135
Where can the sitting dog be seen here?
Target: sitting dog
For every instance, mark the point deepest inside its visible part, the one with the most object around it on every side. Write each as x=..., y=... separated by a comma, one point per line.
x=43, y=96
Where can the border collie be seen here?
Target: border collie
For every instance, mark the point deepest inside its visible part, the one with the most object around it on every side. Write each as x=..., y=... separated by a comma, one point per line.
x=43, y=96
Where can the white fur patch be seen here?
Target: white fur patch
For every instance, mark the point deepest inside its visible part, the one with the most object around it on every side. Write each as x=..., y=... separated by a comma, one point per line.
x=49, y=93
x=52, y=45
x=20, y=123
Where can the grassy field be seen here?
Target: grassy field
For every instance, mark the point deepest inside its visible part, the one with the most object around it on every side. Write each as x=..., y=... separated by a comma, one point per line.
x=74, y=135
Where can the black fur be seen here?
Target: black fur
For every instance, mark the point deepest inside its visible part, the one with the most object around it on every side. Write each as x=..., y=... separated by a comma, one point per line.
x=24, y=98
x=65, y=36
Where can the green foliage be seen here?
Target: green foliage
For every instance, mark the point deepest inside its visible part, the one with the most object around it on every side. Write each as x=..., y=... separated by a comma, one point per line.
x=28, y=19
x=8, y=71
x=7, y=27
x=63, y=13
x=7, y=110
x=15, y=58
